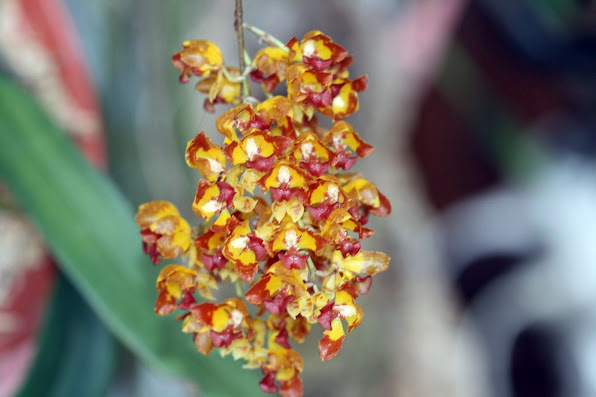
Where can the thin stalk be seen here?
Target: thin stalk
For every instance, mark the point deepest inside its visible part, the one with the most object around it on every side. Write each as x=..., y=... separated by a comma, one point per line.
x=239, y=33
x=238, y=15
x=247, y=60
x=267, y=93
x=312, y=268
x=239, y=291
x=266, y=37
x=230, y=78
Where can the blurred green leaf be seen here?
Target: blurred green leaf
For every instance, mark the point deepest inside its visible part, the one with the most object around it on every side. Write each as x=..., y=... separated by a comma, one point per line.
x=76, y=354
x=91, y=230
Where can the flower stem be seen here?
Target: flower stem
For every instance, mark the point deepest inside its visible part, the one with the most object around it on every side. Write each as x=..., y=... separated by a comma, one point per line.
x=238, y=15
x=312, y=268
x=267, y=93
x=239, y=291
x=247, y=60
x=266, y=37
x=232, y=79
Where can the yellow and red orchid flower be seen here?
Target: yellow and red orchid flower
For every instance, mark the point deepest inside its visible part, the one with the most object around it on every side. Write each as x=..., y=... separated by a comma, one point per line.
x=199, y=58
x=340, y=221
x=290, y=240
x=275, y=108
x=252, y=348
x=368, y=199
x=330, y=316
x=220, y=89
x=284, y=366
x=344, y=97
x=364, y=262
x=335, y=230
x=270, y=65
x=309, y=87
x=311, y=154
x=246, y=119
x=332, y=341
x=175, y=282
x=326, y=194
x=212, y=198
x=298, y=328
x=243, y=118
x=269, y=292
x=205, y=283
x=317, y=51
x=341, y=137
x=284, y=326
x=340, y=69
x=286, y=126
x=278, y=111
x=245, y=249
x=210, y=245
x=278, y=335
x=165, y=233
x=285, y=181
x=348, y=309
x=225, y=322
x=253, y=353
x=243, y=204
x=292, y=208
x=359, y=285
x=206, y=157
x=257, y=150
x=201, y=334
x=277, y=288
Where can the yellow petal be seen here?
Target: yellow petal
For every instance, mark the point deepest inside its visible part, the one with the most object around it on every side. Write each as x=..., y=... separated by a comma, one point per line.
x=368, y=262
x=244, y=204
x=249, y=179
x=348, y=309
x=205, y=283
x=332, y=340
x=154, y=210
x=220, y=319
x=293, y=208
x=175, y=278
x=366, y=192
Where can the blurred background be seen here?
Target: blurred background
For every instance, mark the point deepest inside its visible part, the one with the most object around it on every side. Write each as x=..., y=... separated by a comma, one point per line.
x=483, y=115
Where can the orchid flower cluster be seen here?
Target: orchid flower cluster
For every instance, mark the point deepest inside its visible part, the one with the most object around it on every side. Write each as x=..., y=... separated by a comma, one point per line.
x=283, y=221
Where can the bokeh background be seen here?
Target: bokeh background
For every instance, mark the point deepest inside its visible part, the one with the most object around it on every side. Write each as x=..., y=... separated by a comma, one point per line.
x=483, y=115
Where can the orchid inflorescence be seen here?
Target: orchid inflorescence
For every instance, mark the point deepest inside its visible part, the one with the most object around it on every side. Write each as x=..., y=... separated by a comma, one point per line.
x=296, y=256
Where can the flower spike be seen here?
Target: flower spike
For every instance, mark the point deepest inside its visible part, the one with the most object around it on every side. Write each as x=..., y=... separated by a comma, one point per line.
x=281, y=218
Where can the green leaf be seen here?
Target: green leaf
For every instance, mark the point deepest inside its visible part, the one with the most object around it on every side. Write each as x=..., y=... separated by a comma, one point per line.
x=91, y=231
x=76, y=354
